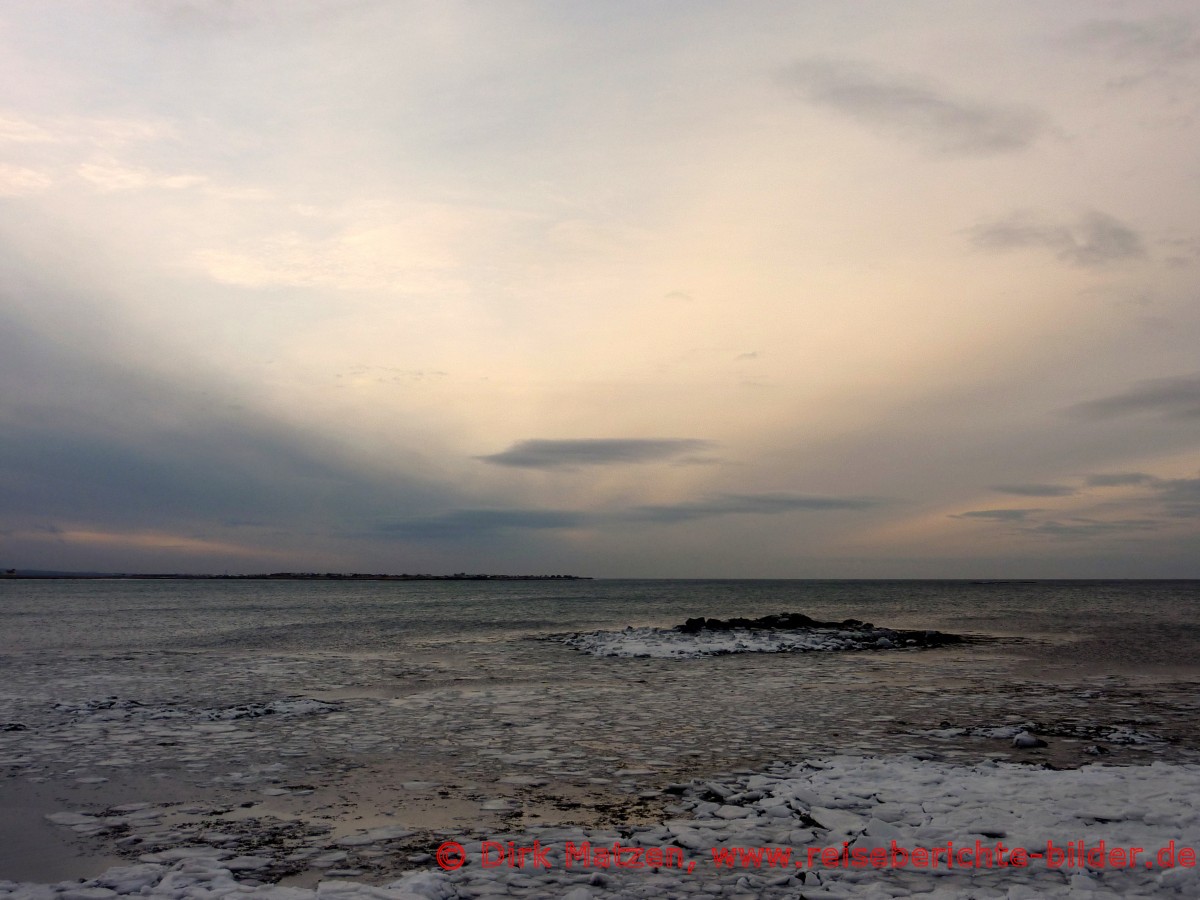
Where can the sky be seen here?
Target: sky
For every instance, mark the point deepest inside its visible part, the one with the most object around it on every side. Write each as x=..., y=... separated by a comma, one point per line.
x=684, y=289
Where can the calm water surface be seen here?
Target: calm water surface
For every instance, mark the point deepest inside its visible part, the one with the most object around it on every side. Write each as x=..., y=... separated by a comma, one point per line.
x=1140, y=622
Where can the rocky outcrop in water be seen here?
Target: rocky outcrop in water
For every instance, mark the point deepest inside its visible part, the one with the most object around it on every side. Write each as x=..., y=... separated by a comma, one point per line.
x=884, y=638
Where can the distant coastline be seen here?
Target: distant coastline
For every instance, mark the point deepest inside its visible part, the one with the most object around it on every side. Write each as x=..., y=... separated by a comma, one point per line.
x=282, y=576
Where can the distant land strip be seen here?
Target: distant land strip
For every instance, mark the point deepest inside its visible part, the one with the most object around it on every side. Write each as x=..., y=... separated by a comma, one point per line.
x=288, y=576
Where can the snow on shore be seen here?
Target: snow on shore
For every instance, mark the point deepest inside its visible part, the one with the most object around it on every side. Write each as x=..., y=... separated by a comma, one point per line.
x=847, y=803
x=666, y=643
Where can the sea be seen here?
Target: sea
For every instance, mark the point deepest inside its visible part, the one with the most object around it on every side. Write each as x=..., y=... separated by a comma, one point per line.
x=312, y=731
x=1139, y=622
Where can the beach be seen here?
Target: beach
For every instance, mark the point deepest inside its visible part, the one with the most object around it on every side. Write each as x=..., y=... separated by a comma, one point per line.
x=191, y=740
x=589, y=450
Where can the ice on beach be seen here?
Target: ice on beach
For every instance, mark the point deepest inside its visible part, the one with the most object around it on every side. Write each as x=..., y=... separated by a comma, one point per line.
x=865, y=802
x=1120, y=734
x=539, y=729
x=667, y=643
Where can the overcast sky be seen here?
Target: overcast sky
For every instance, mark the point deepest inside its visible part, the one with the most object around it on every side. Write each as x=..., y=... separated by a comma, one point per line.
x=776, y=289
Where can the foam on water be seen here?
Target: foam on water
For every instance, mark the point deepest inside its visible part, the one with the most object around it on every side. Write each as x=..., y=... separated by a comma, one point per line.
x=664, y=643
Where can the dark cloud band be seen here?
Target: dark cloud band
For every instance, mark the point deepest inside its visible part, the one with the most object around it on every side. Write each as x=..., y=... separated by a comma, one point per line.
x=541, y=454
x=474, y=523
x=752, y=504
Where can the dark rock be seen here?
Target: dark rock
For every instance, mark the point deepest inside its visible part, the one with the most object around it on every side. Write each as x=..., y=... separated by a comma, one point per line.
x=881, y=638
x=1027, y=741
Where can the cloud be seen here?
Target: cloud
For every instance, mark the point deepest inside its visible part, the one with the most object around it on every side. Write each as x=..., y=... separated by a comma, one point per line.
x=200, y=17
x=23, y=131
x=1035, y=490
x=1027, y=522
x=111, y=177
x=1162, y=500
x=1086, y=528
x=998, y=515
x=914, y=111
x=1174, y=398
x=1093, y=239
x=753, y=504
x=1119, y=479
x=1181, y=497
x=115, y=455
x=1166, y=39
x=17, y=181
x=474, y=523
x=1178, y=498
x=148, y=540
x=539, y=454
x=395, y=247
x=1155, y=46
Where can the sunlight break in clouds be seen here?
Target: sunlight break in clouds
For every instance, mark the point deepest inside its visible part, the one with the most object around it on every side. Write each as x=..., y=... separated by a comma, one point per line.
x=173, y=543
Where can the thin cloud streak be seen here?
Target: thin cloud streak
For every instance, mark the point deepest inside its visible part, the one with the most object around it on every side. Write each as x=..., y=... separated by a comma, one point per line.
x=481, y=523
x=1035, y=490
x=1093, y=239
x=1119, y=479
x=998, y=515
x=914, y=111
x=749, y=504
x=1084, y=529
x=544, y=454
x=156, y=541
x=1174, y=398
x=1159, y=507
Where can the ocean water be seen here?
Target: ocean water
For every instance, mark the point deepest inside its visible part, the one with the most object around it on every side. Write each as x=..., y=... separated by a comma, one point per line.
x=1150, y=622
x=321, y=730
